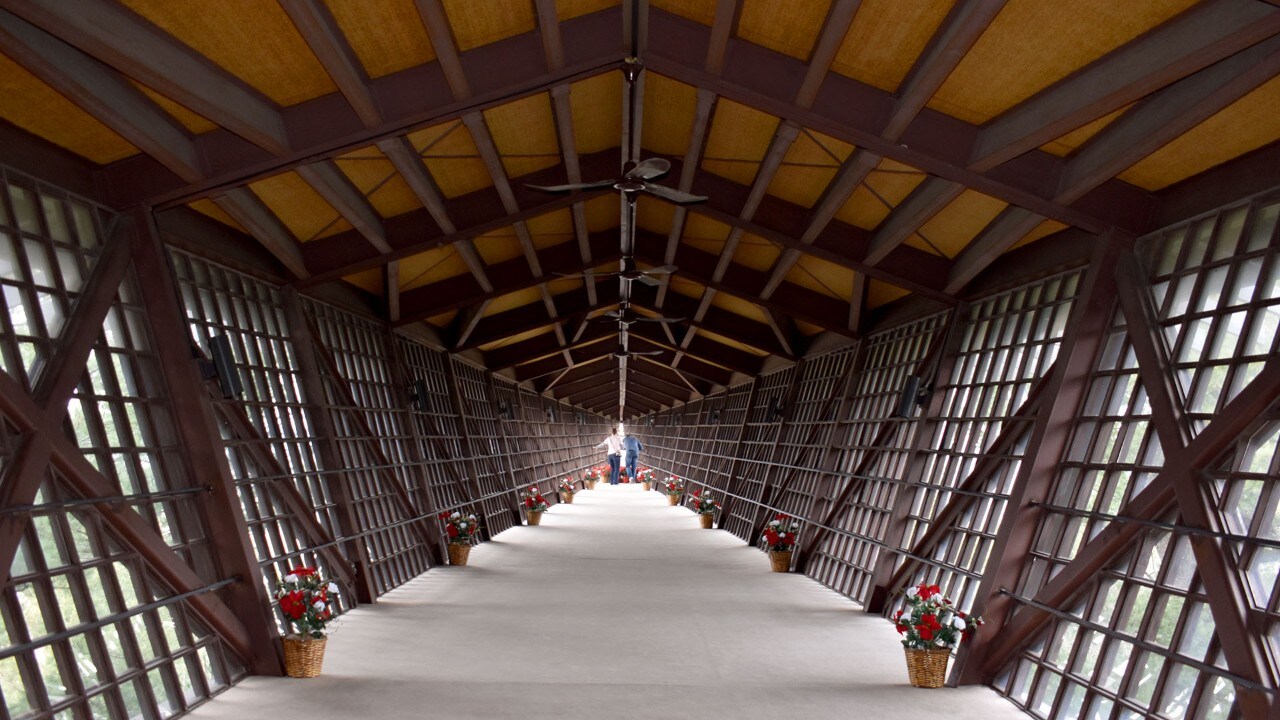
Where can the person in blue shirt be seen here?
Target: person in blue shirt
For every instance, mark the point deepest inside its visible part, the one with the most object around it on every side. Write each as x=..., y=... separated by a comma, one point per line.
x=631, y=447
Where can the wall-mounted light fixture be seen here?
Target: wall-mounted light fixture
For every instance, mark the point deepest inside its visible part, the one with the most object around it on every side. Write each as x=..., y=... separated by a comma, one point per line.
x=222, y=365
x=914, y=394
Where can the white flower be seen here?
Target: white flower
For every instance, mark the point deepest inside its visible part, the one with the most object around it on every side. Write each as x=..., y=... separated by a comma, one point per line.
x=958, y=623
x=462, y=525
x=456, y=514
x=318, y=605
x=912, y=592
x=291, y=578
x=333, y=588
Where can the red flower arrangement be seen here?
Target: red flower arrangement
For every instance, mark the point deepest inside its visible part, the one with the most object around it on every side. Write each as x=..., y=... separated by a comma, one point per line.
x=460, y=528
x=306, y=600
x=566, y=486
x=780, y=533
x=533, y=500
x=703, y=504
x=931, y=621
x=672, y=485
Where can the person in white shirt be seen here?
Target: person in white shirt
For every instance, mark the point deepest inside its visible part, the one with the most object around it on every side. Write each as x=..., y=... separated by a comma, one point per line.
x=613, y=453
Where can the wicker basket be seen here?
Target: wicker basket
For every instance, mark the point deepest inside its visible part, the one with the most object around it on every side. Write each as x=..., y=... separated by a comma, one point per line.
x=673, y=499
x=303, y=656
x=566, y=498
x=533, y=516
x=647, y=485
x=927, y=668
x=458, y=553
x=780, y=560
x=706, y=519
x=591, y=484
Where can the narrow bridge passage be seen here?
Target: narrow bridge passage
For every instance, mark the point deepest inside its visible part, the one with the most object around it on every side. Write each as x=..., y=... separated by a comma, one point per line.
x=617, y=606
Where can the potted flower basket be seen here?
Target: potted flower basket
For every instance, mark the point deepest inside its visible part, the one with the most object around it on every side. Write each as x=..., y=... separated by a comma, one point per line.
x=673, y=489
x=306, y=599
x=646, y=477
x=780, y=536
x=931, y=627
x=460, y=529
x=590, y=479
x=566, y=491
x=534, y=505
x=706, y=507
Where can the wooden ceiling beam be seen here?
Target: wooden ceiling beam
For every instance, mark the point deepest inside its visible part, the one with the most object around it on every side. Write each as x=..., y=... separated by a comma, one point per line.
x=509, y=276
x=322, y=34
x=998, y=236
x=573, y=306
x=855, y=113
x=246, y=209
x=727, y=323
x=537, y=347
x=408, y=162
x=722, y=25
x=337, y=190
x=1201, y=36
x=830, y=38
x=927, y=200
x=708, y=350
x=950, y=43
x=1167, y=115
x=124, y=40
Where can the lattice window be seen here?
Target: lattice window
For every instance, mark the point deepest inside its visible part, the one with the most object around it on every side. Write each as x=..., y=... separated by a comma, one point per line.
x=372, y=439
x=280, y=449
x=1008, y=343
x=437, y=427
x=874, y=440
x=1147, y=646
x=85, y=629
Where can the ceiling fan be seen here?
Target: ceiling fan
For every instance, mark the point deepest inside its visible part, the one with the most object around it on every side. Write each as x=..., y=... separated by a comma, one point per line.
x=629, y=272
x=626, y=316
x=636, y=178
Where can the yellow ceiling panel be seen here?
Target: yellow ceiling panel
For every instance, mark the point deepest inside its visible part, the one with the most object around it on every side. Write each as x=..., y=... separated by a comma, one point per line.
x=785, y=26
x=524, y=131
x=528, y=334
x=884, y=187
x=1044, y=229
x=253, y=40
x=1033, y=43
x=443, y=319
x=387, y=36
x=481, y=23
x=670, y=106
x=498, y=245
x=298, y=206
x=569, y=9
x=426, y=138
x=47, y=113
x=822, y=276
x=1068, y=143
x=511, y=301
x=205, y=206
x=881, y=293
x=602, y=212
x=725, y=340
x=655, y=216
x=948, y=232
x=1248, y=124
x=369, y=280
x=453, y=160
x=738, y=306
x=685, y=287
x=886, y=38
x=702, y=11
x=809, y=166
x=756, y=253
x=374, y=175
x=596, y=106
x=551, y=229
x=738, y=140
x=808, y=329
x=700, y=227
x=190, y=119
x=430, y=267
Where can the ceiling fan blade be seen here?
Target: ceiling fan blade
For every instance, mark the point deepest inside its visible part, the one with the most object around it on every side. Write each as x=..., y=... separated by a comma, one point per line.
x=678, y=197
x=560, y=189
x=661, y=319
x=650, y=281
x=662, y=270
x=648, y=352
x=650, y=169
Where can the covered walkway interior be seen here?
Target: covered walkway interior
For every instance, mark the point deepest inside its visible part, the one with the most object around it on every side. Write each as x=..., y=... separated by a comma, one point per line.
x=617, y=606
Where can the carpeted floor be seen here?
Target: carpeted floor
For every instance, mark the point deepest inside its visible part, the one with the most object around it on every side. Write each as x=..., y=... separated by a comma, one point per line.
x=617, y=606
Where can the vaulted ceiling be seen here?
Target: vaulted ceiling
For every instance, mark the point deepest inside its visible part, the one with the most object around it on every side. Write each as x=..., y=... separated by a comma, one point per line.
x=859, y=156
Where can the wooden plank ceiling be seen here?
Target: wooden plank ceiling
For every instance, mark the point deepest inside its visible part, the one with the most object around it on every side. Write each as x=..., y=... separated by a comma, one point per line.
x=857, y=155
